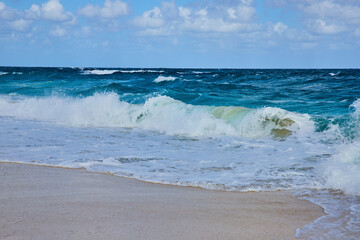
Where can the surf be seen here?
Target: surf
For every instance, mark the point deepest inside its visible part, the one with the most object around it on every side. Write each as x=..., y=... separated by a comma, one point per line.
x=160, y=113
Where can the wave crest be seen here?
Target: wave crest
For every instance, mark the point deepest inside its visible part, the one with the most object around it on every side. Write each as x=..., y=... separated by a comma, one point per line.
x=99, y=72
x=163, y=78
x=159, y=113
x=342, y=171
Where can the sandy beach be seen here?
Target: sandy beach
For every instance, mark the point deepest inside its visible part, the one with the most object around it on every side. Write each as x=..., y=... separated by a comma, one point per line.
x=39, y=202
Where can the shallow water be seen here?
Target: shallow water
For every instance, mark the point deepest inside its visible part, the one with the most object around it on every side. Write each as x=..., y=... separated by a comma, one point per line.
x=241, y=130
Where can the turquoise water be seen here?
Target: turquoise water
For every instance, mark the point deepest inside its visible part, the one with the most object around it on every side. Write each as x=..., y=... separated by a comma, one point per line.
x=228, y=129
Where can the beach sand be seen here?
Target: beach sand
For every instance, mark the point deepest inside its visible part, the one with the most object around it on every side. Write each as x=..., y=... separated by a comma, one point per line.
x=39, y=202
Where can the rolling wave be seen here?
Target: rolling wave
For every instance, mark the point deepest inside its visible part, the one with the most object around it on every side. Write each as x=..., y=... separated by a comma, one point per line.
x=159, y=113
x=112, y=71
x=342, y=171
x=99, y=72
x=163, y=78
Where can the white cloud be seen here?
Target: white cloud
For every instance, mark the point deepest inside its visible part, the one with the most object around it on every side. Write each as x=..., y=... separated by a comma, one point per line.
x=201, y=13
x=12, y=20
x=6, y=13
x=331, y=16
x=231, y=13
x=34, y=12
x=184, y=12
x=327, y=16
x=245, y=13
x=52, y=10
x=58, y=32
x=89, y=11
x=19, y=24
x=150, y=19
x=111, y=9
x=331, y=9
x=320, y=26
x=23, y=21
x=280, y=28
x=208, y=17
x=2, y=6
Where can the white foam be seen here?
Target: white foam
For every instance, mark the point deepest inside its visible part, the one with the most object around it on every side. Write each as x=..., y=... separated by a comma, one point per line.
x=141, y=71
x=334, y=74
x=163, y=78
x=356, y=106
x=99, y=72
x=3, y=73
x=343, y=170
x=160, y=113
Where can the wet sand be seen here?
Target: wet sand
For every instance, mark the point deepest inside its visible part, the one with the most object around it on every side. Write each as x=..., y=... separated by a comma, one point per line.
x=38, y=202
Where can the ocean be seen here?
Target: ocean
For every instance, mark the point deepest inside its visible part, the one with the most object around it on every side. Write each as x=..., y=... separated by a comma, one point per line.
x=296, y=130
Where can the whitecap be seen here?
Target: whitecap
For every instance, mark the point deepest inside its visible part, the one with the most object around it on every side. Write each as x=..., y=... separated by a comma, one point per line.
x=342, y=171
x=99, y=72
x=163, y=78
x=334, y=74
x=141, y=71
x=198, y=72
x=161, y=113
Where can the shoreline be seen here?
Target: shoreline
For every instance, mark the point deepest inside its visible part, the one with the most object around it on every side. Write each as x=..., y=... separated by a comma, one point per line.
x=44, y=202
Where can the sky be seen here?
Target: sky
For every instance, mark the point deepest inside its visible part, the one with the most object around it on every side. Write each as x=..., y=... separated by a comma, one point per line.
x=181, y=33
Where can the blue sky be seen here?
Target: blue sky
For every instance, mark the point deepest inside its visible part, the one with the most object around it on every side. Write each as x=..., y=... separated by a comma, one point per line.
x=182, y=33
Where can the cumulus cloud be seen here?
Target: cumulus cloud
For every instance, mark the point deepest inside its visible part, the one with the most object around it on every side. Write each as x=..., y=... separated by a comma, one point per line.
x=34, y=12
x=2, y=6
x=52, y=10
x=111, y=9
x=208, y=17
x=26, y=21
x=225, y=21
x=326, y=16
x=150, y=19
x=331, y=17
x=332, y=9
x=12, y=20
x=58, y=31
x=19, y=24
x=280, y=27
x=322, y=27
x=6, y=13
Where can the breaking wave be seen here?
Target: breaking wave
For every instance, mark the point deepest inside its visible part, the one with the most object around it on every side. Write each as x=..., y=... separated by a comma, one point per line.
x=99, y=72
x=342, y=171
x=141, y=71
x=334, y=74
x=112, y=71
x=163, y=78
x=159, y=113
